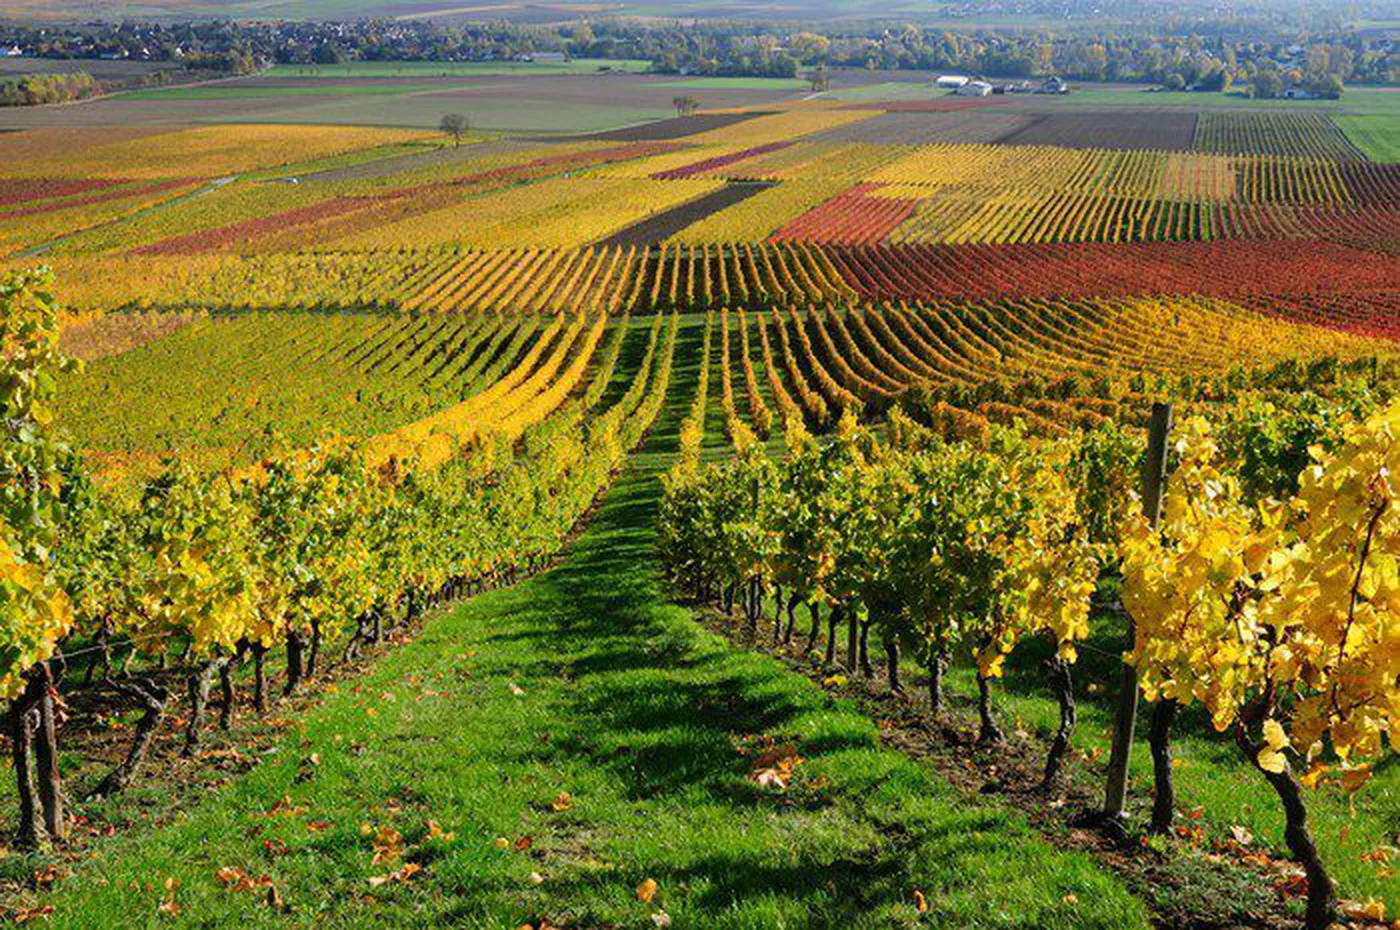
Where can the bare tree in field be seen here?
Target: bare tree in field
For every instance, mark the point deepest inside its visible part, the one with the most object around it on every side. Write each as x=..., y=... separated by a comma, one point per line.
x=456, y=126
x=685, y=105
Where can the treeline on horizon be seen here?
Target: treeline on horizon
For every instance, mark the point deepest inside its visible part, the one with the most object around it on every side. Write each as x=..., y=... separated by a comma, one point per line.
x=1174, y=58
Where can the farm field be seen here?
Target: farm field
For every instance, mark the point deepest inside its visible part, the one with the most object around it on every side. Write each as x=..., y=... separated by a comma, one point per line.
x=615, y=518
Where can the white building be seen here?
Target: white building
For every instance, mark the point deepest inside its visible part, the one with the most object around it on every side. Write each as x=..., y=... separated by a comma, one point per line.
x=952, y=81
x=973, y=89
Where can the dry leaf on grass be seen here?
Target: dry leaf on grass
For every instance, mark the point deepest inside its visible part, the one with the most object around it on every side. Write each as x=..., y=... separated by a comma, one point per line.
x=24, y=915
x=402, y=876
x=774, y=766
x=388, y=845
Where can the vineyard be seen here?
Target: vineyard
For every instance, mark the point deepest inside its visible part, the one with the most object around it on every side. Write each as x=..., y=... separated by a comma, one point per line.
x=777, y=516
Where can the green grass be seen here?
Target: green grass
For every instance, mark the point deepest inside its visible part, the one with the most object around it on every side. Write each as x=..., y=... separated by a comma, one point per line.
x=624, y=702
x=421, y=69
x=886, y=90
x=1376, y=136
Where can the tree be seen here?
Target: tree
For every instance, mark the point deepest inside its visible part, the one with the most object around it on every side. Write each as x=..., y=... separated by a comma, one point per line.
x=820, y=80
x=1328, y=86
x=455, y=125
x=685, y=105
x=1268, y=85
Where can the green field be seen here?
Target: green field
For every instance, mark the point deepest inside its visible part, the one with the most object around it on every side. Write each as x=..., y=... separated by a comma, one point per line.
x=1377, y=136
x=885, y=90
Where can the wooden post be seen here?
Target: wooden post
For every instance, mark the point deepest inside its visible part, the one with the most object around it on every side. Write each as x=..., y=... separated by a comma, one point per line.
x=1154, y=475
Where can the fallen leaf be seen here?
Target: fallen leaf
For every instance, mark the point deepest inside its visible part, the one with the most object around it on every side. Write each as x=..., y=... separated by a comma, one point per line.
x=562, y=803
x=25, y=914
x=1241, y=835
x=515, y=689
x=436, y=832
x=536, y=878
x=1381, y=854
x=388, y=845
x=236, y=880
x=774, y=766
x=920, y=902
x=402, y=876
x=1371, y=909
x=647, y=890
x=661, y=919
x=284, y=808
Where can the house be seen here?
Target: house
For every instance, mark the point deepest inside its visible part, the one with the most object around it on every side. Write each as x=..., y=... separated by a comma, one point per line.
x=951, y=81
x=1298, y=93
x=973, y=89
x=14, y=51
x=1053, y=85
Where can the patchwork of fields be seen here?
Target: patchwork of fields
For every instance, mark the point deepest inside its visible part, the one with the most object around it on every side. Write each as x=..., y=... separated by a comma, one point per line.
x=949, y=206
x=358, y=328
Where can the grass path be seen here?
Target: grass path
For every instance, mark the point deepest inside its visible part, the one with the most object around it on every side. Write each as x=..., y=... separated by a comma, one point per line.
x=586, y=681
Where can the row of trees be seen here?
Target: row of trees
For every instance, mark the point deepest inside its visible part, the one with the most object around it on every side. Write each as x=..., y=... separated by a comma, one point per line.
x=36, y=89
x=306, y=548
x=1274, y=615
x=1152, y=52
